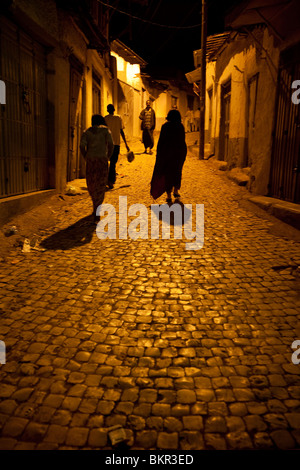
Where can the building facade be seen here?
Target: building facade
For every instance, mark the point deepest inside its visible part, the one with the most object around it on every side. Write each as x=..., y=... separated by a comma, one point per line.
x=131, y=95
x=251, y=121
x=57, y=69
x=136, y=86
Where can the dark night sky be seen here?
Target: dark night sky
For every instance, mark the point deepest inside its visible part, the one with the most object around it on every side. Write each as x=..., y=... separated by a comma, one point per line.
x=165, y=48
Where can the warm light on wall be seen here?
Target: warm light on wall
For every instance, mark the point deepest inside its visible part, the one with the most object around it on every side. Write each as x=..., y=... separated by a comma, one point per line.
x=120, y=62
x=132, y=72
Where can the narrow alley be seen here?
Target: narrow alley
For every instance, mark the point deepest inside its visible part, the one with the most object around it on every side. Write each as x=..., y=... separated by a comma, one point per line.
x=183, y=349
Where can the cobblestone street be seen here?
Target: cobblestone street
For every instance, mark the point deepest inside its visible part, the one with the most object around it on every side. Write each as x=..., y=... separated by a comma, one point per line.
x=182, y=349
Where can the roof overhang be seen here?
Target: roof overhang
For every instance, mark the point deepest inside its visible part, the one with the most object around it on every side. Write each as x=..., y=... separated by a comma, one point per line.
x=194, y=76
x=96, y=39
x=213, y=44
x=126, y=53
x=85, y=22
x=281, y=16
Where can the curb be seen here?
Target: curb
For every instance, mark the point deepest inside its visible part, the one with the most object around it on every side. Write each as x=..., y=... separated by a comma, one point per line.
x=17, y=205
x=288, y=212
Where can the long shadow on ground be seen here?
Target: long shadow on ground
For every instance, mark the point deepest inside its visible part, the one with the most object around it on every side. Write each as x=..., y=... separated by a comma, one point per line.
x=77, y=234
x=183, y=214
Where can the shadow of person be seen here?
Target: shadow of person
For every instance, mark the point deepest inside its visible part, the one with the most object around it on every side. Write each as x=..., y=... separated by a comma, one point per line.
x=177, y=213
x=77, y=234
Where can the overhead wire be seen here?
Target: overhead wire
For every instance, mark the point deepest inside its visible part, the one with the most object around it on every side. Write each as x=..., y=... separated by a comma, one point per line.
x=148, y=21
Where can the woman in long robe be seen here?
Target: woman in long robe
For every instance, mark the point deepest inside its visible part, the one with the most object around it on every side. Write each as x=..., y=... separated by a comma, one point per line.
x=170, y=157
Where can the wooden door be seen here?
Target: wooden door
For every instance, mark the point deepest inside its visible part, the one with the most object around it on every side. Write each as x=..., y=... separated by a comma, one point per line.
x=225, y=121
x=23, y=119
x=251, y=110
x=285, y=164
x=210, y=95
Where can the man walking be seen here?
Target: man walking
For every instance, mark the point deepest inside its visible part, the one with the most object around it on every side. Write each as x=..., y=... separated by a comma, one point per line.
x=115, y=125
x=148, y=119
x=197, y=119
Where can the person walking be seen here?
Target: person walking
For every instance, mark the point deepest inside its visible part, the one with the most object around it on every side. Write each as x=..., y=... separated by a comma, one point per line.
x=188, y=116
x=197, y=119
x=96, y=146
x=115, y=124
x=170, y=157
x=148, y=119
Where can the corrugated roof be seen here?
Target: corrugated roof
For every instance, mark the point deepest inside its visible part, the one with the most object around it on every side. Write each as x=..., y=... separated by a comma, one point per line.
x=213, y=44
x=126, y=53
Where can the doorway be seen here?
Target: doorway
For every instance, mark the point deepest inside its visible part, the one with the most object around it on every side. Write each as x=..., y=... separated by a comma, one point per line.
x=23, y=119
x=225, y=121
x=75, y=163
x=251, y=110
x=210, y=94
x=96, y=91
x=285, y=165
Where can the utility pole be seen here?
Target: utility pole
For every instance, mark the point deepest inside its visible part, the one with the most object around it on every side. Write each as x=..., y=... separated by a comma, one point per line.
x=203, y=79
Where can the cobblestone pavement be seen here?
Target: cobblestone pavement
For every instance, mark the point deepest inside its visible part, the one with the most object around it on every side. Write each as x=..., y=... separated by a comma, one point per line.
x=182, y=349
